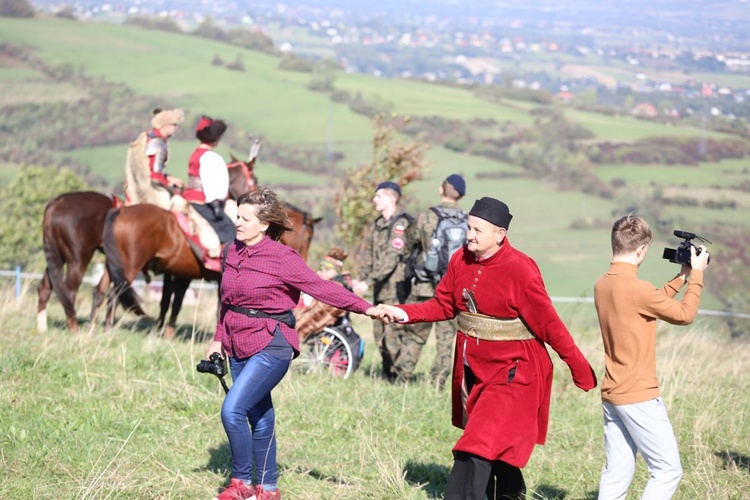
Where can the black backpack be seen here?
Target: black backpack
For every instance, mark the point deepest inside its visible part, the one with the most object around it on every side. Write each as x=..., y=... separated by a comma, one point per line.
x=449, y=235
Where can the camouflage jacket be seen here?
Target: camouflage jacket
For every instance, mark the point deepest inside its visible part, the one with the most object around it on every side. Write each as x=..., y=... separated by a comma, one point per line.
x=385, y=251
x=421, y=234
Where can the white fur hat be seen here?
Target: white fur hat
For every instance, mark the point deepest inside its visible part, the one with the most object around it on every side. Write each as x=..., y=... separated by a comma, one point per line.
x=168, y=117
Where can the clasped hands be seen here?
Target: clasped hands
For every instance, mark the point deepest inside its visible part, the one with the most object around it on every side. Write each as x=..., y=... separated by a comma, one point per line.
x=386, y=313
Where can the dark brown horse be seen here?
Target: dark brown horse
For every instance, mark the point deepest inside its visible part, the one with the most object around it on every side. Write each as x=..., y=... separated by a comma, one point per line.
x=72, y=232
x=73, y=228
x=146, y=236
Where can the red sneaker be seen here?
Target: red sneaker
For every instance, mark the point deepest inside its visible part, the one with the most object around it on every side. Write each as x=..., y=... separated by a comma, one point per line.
x=261, y=494
x=237, y=490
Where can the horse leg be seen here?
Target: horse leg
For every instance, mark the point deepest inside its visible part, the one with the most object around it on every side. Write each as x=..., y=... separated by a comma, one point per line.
x=100, y=291
x=44, y=292
x=112, y=293
x=166, y=299
x=73, y=280
x=180, y=288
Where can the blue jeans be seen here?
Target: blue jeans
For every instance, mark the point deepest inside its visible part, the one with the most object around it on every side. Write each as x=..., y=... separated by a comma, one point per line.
x=249, y=400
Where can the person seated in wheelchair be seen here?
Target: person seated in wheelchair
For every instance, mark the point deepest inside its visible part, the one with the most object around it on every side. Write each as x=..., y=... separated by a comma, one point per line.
x=311, y=315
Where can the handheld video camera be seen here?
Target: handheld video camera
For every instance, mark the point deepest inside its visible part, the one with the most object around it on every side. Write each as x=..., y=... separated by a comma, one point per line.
x=215, y=366
x=681, y=254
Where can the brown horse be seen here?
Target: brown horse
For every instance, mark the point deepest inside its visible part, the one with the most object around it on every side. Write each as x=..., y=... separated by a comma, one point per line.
x=303, y=225
x=146, y=236
x=73, y=227
x=71, y=232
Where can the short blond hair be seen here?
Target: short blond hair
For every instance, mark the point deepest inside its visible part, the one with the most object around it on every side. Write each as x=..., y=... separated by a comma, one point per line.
x=628, y=233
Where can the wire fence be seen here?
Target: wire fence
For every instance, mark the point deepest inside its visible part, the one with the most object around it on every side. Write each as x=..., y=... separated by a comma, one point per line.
x=139, y=284
x=201, y=285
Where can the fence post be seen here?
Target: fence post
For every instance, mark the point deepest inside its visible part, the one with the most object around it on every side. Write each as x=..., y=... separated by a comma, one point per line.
x=18, y=283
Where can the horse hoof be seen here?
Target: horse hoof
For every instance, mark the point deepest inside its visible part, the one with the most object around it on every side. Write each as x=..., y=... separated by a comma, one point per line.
x=169, y=332
x=73, y=325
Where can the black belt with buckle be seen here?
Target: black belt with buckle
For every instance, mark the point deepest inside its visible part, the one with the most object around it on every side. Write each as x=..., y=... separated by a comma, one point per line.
x=286, y=317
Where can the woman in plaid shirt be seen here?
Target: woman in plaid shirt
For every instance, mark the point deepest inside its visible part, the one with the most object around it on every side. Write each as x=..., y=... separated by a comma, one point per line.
x=261, y=283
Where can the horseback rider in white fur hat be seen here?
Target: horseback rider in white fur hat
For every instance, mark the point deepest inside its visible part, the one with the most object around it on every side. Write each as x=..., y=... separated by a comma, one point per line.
x=145, y=167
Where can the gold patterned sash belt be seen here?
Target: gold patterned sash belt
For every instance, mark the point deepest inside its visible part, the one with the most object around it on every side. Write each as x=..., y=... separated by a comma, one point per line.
x=489, y=328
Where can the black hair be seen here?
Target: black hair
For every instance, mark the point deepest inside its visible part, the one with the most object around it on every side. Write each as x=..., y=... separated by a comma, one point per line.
x=211, y=133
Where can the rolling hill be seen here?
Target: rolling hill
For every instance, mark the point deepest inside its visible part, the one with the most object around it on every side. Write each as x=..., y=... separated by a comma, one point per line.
x=277, y=104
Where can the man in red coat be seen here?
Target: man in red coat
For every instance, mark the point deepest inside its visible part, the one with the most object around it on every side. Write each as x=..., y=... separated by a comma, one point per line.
x=502, y=373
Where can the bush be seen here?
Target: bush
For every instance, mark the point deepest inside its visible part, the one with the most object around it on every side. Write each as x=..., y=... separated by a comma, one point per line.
x=22, y=206
x=340, y=96
x=252, y=39
x=154, y=23
x=456, y=143
x=66, y=13
x=400, y=162
x=292, y=62
x=16, y=8
x=237, y=65
x=669, y=151
x=209, y=29
x=372, y=106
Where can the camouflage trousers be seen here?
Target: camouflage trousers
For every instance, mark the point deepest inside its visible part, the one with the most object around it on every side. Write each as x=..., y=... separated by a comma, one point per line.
x=445, y=335
x=400, y=347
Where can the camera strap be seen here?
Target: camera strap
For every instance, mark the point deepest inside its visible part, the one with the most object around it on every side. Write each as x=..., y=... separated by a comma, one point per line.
x=286, y=317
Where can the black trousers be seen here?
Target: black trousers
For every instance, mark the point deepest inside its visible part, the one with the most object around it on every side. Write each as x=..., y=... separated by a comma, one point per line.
x=472, y=477
x=224, y=227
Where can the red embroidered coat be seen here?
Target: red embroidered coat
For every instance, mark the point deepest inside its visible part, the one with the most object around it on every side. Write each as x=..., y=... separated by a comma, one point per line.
x=503, y=420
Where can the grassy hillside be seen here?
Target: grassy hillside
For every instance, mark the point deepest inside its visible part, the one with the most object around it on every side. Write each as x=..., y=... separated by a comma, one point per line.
x=277, y=104
x=125, y=414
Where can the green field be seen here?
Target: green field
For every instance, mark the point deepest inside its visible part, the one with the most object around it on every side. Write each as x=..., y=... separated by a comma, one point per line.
x=109, y=163
x=124, y=414
x=277, y=105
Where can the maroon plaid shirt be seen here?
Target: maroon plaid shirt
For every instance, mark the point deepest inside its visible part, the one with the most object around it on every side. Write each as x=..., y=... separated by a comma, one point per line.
x=269, y=276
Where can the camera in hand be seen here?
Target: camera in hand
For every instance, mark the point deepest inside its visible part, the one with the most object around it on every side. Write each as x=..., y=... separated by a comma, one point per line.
x=214, y=365
x=681, y=254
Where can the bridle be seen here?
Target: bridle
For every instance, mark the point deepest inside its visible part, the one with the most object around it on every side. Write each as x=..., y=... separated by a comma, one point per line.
x=247, y=173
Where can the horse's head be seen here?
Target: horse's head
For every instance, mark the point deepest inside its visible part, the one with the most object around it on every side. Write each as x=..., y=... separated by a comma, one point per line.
x=304, y=228
x=241, y=177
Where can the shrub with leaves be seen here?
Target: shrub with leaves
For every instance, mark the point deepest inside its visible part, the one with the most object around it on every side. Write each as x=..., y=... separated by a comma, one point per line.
x=22, y=204
x=16, y=8
x=391, y=160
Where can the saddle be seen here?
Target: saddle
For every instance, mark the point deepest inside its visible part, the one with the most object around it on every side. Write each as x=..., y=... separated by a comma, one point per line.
x=212, y=264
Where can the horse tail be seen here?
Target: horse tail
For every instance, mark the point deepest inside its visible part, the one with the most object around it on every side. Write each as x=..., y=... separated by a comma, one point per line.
x=55, y=260
x=115, y=267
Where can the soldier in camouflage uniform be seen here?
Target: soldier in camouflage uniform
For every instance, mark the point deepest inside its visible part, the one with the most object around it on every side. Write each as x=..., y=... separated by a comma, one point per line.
x=451, y=190
x=382, y=270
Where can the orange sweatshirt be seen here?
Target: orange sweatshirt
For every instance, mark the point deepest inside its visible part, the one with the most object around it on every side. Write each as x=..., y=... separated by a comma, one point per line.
x=628, y=309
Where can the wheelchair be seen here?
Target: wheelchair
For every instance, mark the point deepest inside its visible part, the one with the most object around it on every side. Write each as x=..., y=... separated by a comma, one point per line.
x=336, y=350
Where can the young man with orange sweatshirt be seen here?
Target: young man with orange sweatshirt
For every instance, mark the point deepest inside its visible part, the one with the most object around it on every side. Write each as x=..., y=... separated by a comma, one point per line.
x=635, y=418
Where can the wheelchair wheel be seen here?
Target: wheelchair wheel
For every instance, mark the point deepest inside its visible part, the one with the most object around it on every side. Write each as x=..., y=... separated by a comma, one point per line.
x=328, y=352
